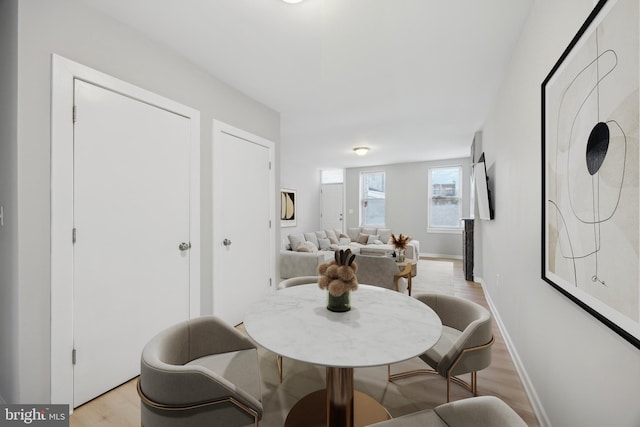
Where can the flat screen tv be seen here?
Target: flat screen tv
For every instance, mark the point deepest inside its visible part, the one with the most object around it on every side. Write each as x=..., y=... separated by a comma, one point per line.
x=483, y=194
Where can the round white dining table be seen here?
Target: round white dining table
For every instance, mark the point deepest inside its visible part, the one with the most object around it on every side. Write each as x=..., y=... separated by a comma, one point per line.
x=382, y=327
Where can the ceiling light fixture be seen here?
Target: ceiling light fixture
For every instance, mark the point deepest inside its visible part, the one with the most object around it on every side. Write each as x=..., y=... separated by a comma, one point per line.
x=361, y=151
x=292, y=1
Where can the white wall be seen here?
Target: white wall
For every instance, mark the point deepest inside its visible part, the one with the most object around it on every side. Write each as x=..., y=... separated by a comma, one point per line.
x=295, y=174
x=8, y=199
x=406, y=203
x=583, y=373
x=70, y=29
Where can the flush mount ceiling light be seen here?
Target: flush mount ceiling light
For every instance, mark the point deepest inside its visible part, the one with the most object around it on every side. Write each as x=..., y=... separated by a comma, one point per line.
x=361, y=151
x=292, y=1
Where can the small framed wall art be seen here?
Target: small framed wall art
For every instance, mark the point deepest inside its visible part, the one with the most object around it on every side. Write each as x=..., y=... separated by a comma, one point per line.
x=288, y=208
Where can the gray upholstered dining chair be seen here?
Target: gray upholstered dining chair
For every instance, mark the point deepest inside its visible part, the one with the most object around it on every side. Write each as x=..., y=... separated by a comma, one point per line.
x=485, y=411
x=382, y=271
x=287, y=283
x=200, y=372
x=465, y=344
x=295, y=281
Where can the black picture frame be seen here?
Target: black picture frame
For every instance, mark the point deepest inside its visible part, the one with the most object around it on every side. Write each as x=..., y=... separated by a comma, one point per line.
x=590, y=226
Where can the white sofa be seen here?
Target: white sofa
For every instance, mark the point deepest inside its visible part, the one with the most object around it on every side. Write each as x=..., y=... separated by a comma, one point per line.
x=302, y=253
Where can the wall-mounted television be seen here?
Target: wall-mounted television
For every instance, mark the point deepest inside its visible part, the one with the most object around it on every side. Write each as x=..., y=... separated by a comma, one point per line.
x=483, y=194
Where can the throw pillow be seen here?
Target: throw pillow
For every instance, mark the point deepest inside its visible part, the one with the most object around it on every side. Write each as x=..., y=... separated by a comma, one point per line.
x=307, y=247
x=385, y=234
x=368, y=230
x=363, y=239
x=372, y=239
x=331, y=234
x=311, y=237
x=295, y=240
x=321, y=235
x=345, y=241
x=325, y=244
x=353, y=233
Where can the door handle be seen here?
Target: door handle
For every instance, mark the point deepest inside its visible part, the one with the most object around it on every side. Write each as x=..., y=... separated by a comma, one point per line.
x=184, y=246
x=226, y=242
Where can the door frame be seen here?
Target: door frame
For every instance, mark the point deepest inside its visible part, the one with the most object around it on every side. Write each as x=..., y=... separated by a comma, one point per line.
x=219, y=127
x=63, y=74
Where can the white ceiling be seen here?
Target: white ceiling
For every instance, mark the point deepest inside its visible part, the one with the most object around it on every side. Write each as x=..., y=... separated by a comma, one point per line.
x=412, y=79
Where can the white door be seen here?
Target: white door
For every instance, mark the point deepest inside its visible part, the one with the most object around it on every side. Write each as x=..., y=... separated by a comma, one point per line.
x=131, y=212
x=243, y=200
x=332, y=207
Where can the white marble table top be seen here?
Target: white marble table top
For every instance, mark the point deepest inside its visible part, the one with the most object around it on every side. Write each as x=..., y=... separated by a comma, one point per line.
x=382, y=327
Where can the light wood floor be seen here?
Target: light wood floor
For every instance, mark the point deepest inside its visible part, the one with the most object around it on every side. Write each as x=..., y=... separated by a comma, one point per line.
x=121, y=406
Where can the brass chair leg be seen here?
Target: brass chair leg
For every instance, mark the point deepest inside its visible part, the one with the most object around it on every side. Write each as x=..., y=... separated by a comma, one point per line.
x=474, y=383
x=279, y=363
x=471, y=386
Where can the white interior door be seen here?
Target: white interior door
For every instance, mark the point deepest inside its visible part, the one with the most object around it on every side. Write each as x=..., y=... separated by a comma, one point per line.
x=332, y=207
x=243, y=238
x=131, y=212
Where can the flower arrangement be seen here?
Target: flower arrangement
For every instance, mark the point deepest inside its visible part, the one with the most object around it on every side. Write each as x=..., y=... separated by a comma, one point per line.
x=339, y=274
x=400, y=242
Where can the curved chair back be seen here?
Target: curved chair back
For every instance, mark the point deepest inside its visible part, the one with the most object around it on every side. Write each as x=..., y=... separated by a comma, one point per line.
x=200, y=372
x=379, y=271
x=295, y=281
x=486, y=411
x=468, y=334
x=465, y=343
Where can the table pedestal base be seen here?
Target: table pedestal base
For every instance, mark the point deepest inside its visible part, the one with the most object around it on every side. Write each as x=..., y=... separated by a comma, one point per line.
x=311, y=411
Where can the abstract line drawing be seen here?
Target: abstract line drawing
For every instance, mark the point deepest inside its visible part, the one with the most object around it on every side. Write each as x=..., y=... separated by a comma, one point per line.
x=598, y=144
x=590, y=221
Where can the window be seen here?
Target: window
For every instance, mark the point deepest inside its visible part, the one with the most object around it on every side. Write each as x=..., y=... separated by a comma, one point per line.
x=331, y=176
x=372, y=196
x=445, y=198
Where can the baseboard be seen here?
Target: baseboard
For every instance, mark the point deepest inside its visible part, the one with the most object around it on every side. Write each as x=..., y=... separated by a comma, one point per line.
x=447, y=256
x=522, y=372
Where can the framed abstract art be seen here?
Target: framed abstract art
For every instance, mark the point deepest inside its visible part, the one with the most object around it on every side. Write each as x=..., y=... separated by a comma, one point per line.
x=288, y=208
x=590, y=169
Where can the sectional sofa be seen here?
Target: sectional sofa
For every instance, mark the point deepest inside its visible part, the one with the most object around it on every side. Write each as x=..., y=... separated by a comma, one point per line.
x=302, y=253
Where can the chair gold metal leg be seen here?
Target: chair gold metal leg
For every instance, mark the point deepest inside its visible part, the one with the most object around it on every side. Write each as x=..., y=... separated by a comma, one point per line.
x=474, y=383
x=279, y=363
x=472, y=386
